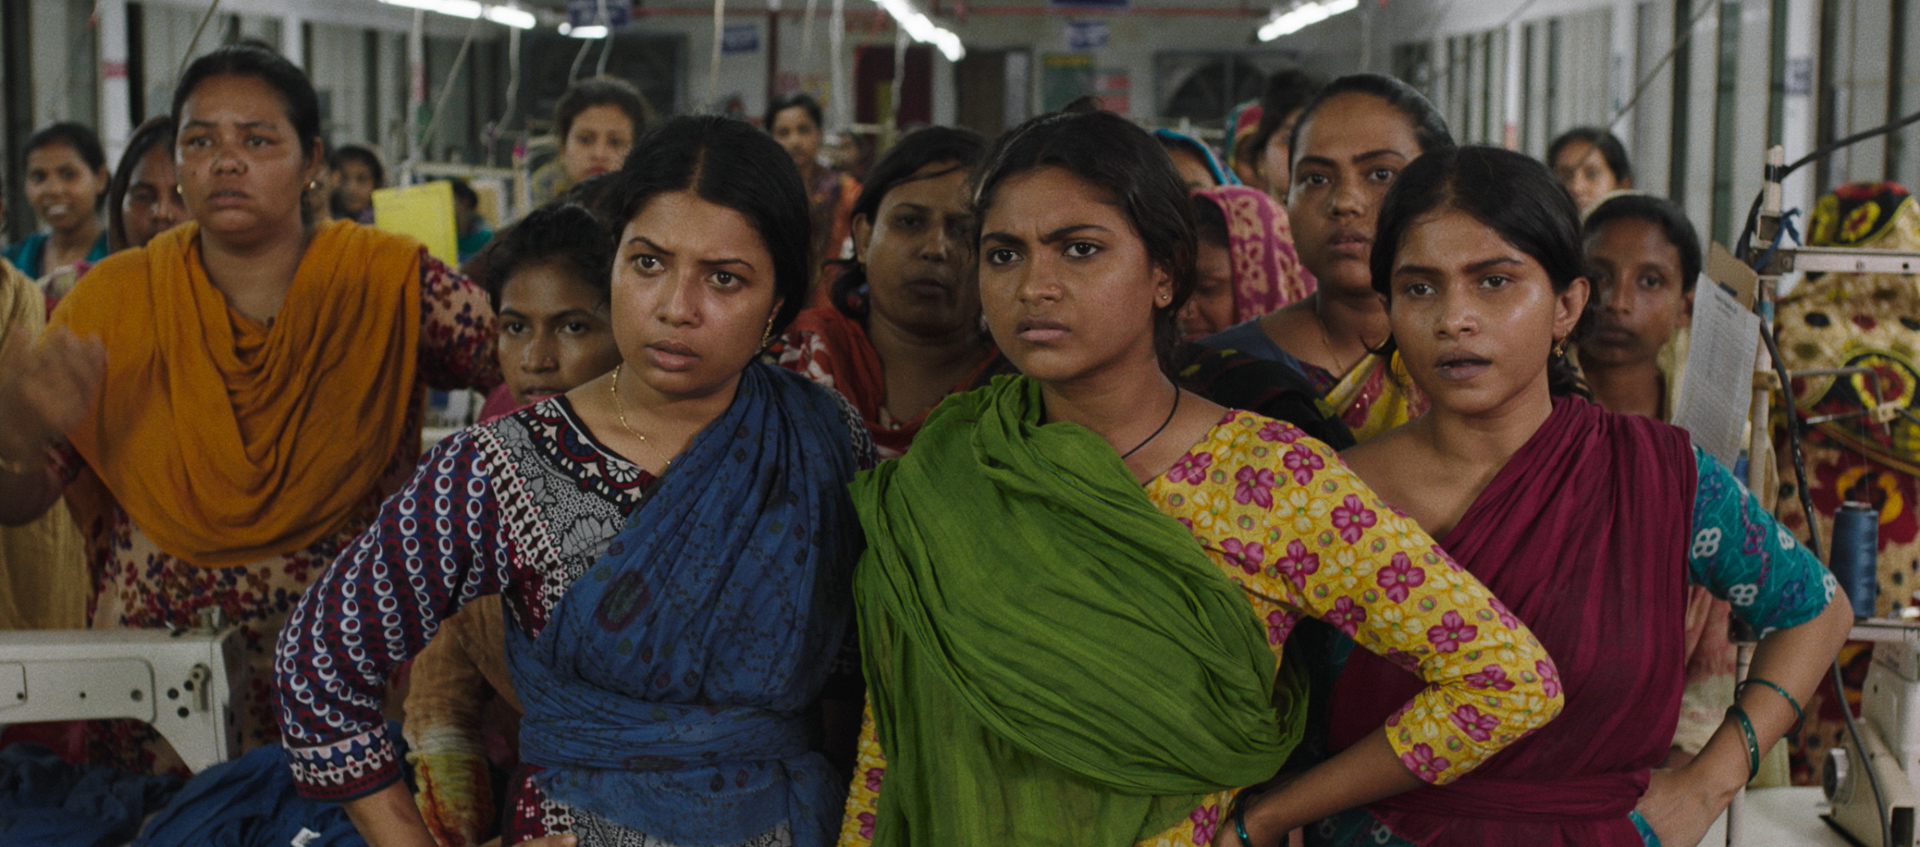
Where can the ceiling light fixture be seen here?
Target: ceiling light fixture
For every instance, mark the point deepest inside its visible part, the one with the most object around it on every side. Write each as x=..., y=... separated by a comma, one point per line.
x=1304, y=15
x=922, y=29
x=504, y=15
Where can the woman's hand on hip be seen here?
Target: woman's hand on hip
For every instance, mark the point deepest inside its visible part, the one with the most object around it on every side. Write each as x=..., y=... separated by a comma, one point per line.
x=1681, y=805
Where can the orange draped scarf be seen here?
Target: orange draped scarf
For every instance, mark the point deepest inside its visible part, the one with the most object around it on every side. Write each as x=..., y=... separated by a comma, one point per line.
x=228, y=441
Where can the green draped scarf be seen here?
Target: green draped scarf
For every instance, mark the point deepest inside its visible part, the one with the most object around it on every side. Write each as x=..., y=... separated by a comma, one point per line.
x=1051, y=659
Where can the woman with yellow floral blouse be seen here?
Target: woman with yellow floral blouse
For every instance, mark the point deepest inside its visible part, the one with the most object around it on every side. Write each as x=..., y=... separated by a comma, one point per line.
x=1079, y=580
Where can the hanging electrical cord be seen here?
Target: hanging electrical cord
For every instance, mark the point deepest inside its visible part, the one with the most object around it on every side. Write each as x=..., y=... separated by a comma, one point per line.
x=1794, y=426
x=513, y=94
x=446, y=90
x=1814, y=546
x=606, y=44
x=194, y=44
x=1753, y=212
x=806, y=36
x=1646, y=80
x=573, y=73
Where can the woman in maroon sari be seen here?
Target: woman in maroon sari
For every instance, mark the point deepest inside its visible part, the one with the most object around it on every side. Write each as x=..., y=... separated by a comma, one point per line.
x=1588, y=524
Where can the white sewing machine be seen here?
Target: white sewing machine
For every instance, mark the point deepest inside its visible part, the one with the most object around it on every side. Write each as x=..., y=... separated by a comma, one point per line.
x=1890, y=724
x=185, y=684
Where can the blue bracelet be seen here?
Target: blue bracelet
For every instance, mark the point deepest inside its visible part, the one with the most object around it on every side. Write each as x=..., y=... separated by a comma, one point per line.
x=1799, y=717
x=1240, y=820
x=1753, y=741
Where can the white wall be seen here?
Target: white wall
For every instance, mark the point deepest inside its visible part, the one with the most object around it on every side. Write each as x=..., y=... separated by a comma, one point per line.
x=1605, y=47
x=1608, y=46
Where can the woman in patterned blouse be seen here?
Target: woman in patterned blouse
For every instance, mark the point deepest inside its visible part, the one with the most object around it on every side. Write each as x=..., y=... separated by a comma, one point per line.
x=226, y=406
x=671, y=542
x=1079, y=580
x=1589, y=524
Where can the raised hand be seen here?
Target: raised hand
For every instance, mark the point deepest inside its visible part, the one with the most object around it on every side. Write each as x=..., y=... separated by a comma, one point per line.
x=46, y=389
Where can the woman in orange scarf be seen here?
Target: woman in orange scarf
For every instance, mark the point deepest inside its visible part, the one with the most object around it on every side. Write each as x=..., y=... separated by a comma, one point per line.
x=232, y=396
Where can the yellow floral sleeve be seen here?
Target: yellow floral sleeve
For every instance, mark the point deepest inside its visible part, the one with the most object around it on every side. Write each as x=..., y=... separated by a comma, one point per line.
x=856, y=829
x=1286, y=519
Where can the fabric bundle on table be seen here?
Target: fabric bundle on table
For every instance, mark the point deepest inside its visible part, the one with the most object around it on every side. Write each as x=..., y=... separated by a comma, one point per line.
x=47, y=802
x=249, y=802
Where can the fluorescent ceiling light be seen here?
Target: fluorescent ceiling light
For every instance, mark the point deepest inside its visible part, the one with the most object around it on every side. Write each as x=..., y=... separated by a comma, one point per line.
x=1304, y=15
x=922, y=29
x=506, y=15
x=509, y=16
x=583, y=31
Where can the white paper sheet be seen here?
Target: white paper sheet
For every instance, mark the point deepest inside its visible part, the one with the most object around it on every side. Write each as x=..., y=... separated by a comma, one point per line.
x=1717, y=392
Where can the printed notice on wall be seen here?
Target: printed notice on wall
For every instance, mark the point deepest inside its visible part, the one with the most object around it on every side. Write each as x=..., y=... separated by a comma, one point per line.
x=1717, y=391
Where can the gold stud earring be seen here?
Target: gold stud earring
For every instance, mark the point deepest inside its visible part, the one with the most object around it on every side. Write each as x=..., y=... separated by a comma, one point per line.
x=313, y=185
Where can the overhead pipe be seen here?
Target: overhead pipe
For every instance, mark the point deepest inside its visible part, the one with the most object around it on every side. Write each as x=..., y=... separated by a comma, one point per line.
x=116, y=105
x=713, y=66
x=773, y=53
x=836, y=40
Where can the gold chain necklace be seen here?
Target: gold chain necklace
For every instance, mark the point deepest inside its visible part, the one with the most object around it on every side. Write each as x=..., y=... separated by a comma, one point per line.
x=620, y=411
x=1326, y=343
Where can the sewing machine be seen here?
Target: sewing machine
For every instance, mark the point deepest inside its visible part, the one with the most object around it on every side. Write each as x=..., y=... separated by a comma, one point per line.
x=185, y=684
x=1890, y=730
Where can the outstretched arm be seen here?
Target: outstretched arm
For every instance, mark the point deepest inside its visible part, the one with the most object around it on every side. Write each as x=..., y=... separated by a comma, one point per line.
x=45, y=390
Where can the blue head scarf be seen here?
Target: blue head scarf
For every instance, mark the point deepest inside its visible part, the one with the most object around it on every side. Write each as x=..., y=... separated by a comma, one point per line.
x=1221, y=175
x=666, y=693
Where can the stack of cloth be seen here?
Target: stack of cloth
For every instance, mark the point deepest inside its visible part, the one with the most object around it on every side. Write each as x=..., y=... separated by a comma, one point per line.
x=46, y=801
x=249, y=802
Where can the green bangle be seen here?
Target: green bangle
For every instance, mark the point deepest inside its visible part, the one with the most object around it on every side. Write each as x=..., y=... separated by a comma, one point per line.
x=1799, y=717
x=1753, y=741
x=1240, y=820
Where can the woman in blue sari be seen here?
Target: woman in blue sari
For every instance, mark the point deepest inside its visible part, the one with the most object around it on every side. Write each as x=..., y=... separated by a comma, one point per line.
x=672, y=542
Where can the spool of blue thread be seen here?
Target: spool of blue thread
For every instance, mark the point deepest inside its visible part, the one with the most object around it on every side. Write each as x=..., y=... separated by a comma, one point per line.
x=1855, y=560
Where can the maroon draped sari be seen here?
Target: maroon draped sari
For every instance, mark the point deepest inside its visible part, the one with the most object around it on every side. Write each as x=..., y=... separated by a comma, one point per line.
x=1584, y=536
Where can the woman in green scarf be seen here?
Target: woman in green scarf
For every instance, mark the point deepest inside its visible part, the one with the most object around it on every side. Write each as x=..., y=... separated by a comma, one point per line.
x=1079, y=581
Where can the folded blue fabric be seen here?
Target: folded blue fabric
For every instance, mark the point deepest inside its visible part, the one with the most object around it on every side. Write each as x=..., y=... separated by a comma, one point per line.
x=249, y=802
x=46, y=802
